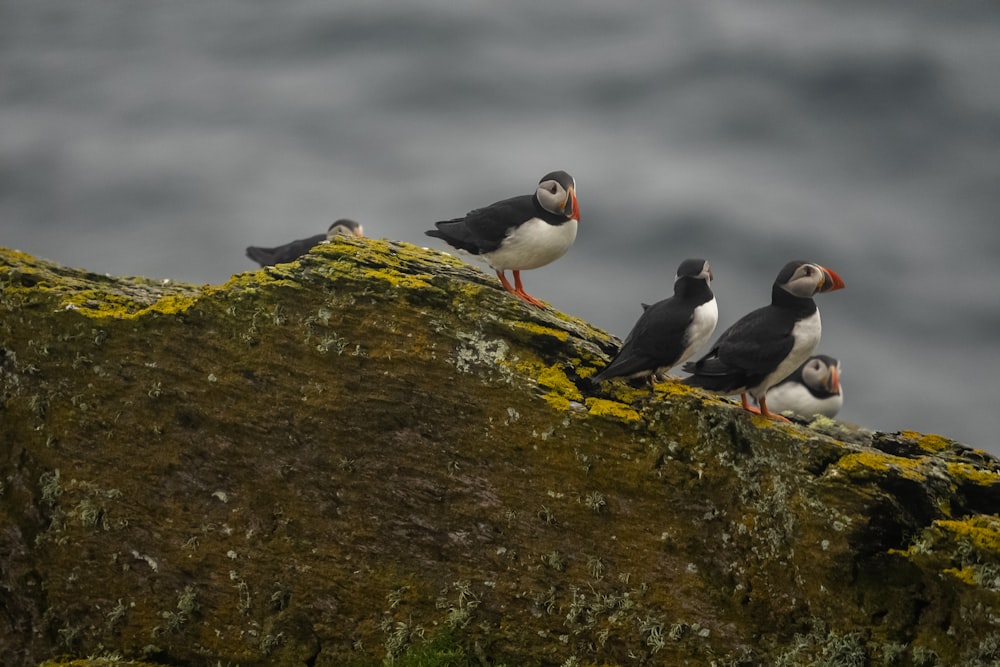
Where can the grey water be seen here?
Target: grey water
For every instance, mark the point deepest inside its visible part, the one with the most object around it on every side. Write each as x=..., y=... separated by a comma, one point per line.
x=162, y=138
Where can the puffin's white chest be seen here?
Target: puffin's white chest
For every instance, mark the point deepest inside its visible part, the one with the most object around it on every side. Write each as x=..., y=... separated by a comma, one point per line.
x=795, y=397
x=532, y=244
x=805, y=335
x=702, y=326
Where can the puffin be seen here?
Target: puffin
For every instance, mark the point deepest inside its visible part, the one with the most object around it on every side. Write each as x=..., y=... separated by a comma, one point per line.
x=765, y=346
x=295, y=249
x=813, y=389
x=669, y=331
x=519, y=233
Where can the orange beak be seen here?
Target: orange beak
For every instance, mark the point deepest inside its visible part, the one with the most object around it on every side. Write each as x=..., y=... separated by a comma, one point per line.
x=576, y=204
x=831, y=281
x=833, y=382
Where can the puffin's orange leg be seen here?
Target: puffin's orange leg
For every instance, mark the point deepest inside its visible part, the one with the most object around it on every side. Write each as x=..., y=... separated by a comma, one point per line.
x=747, y=406
x=519, y=290
x=764, y=411
x=506, y=283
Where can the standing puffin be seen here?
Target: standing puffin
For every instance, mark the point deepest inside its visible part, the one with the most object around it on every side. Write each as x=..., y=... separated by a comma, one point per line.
x=519, y=233
x=765, y=346
x=813, y=389
x=669, y=331
x=295, y=249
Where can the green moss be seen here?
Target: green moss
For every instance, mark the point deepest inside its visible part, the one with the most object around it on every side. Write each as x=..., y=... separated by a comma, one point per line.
x=111, y=661
x=303, y=425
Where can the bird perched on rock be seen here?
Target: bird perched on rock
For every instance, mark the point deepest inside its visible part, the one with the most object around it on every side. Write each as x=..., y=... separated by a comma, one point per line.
x=519, y=233
x=292, y=251
x=765, y=346
x=668, y=332
x=813, y=389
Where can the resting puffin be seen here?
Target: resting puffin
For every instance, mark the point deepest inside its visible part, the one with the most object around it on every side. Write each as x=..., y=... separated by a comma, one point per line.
x=813, y=389
x=292, y=251
x=519, y=233
x=669, y=331
x=765, y=346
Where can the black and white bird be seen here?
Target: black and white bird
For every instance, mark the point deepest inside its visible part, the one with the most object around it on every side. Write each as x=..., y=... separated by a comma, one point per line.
x=292, y=251
x=519, y=233
x=765, y=346
x=813, y=389
x=669, y=331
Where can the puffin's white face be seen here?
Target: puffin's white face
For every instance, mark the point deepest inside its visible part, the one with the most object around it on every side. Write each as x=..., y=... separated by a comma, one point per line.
x=346, y=228
x=818, y=374
x=808, y=279
x=558, y=199
x=706, y=274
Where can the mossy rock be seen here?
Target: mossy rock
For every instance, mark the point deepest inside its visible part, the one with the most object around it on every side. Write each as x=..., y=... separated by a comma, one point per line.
x=374, y=453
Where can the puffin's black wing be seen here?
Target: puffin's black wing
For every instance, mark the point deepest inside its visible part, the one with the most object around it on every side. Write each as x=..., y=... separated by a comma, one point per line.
x=656, y=340
x=284, y=253
x=745, y=353
x=483, y=230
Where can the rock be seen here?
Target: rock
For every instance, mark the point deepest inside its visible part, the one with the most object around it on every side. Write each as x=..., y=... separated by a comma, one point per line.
x=375, y=450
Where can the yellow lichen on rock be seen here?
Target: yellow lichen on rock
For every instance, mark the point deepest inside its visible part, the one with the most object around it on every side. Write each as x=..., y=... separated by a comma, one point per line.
x=397, y=278
x=930, y=442
x=976, y=475
x=980, y=532
x=600, y=407
x=874, y=462
x=378, y=437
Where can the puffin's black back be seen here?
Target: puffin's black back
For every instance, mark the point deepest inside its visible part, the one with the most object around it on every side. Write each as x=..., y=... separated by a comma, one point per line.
x=659, y=337
x=755, y=345
x=284, y=253
x=482, y=230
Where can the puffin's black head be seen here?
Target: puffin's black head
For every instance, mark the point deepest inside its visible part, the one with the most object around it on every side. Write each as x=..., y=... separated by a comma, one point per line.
x=695, y=268
x=345, y=227
x=805, y=279
x=556, y=193
x=694, y=276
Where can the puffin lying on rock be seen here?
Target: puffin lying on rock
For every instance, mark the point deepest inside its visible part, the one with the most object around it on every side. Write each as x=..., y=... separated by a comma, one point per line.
x=813, y=389
x=295, y=249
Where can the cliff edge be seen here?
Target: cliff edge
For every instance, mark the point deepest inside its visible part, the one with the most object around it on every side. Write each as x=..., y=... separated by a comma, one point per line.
x=374, y=452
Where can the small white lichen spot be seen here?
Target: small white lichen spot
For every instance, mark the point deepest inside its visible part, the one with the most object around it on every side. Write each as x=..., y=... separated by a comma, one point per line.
x=221, y=495
x=825, y=544
x=150, y=561
x=212, y=378
x=232, y=554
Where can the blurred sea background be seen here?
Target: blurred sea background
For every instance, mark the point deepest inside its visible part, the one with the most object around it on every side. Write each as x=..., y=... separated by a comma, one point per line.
x=162, y=138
